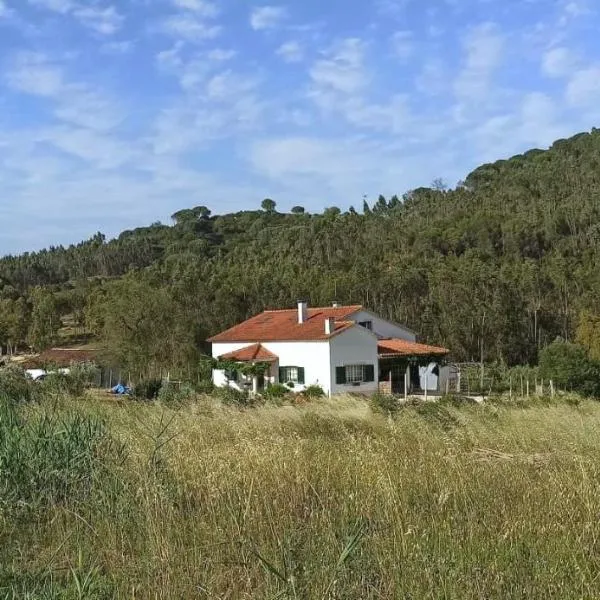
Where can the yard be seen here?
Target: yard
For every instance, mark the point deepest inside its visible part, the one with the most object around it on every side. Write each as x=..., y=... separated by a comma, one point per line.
x=330, y=499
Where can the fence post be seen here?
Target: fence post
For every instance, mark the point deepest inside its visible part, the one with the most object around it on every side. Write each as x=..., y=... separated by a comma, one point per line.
x=510, y=387
x=552, y=388
x=528, y=387
x=406, y=384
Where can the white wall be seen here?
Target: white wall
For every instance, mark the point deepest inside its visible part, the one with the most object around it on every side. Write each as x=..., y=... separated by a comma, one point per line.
x=354, y=346
x=313, y=356
x=383, y=328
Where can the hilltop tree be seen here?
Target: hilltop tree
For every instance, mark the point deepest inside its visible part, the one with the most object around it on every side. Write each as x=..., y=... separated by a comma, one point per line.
x=268, y=205
x=298, y=210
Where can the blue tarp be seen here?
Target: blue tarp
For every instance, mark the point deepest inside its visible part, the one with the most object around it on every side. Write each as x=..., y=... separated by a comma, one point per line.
x=120, y=389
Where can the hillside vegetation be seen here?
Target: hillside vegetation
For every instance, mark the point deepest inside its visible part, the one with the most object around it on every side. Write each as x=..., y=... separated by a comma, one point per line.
x=328, y=500
x=494, y=269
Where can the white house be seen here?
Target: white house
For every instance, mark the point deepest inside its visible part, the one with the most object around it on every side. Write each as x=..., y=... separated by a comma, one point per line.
x=339, y=348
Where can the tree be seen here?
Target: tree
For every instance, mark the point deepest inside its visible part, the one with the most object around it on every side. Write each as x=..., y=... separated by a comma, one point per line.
x=588, y=333
x=298, y=210
x=571, y=368
x=268, y=205
x=45, y=320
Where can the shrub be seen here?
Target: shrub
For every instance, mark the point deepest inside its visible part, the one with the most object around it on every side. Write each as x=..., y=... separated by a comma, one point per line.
x=205, y=387
x=571, y=368
x=314, y=391
x=384, y=403
x=147, y=389
x=231, y=396
x=171, y=393
x=15, y=385
x=276, y=391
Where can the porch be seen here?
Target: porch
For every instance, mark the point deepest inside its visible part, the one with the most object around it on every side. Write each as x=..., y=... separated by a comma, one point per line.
x=411, y=368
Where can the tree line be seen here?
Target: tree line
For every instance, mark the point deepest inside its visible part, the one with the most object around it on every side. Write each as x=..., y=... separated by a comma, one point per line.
x=495, y=269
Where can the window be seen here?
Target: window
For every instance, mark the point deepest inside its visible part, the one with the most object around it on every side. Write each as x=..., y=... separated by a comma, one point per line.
x=294, y=374
x=366, y=324
x=354, y=374
x=232, y=376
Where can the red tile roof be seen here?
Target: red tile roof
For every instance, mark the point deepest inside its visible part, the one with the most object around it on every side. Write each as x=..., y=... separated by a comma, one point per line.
x=256, y=352
x=283, y=326
x=61, y=357
x=389, y=348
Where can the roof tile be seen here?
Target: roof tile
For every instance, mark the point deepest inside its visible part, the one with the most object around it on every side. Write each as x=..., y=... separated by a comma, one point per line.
x=283, y=326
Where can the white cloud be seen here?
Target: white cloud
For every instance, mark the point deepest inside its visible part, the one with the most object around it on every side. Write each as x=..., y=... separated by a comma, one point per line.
x=34, y=73
x=4, y=12
x=189, y=27
x=105, y=21
x=483, y=48
x=343, y=68
x=583, y=89
x=207, y=9
x=290, y=52
x=267, y=17
x=60, y=6
x=402, y=43
x=122, y=47
x=76, y=103
x=558, y=62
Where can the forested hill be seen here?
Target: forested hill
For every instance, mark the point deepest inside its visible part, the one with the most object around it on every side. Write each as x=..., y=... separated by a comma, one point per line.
x=506, y=262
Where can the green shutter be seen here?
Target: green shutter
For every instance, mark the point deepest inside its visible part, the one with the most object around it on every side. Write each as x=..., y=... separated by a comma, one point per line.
x=340, y=375
x=369, y=373
x=301, y=375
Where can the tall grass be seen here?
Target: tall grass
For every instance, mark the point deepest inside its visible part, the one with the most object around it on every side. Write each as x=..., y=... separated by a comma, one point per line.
x=324, y=500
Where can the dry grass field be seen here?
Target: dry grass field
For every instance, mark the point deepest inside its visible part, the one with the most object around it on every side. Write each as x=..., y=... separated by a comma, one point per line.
x=330, y=499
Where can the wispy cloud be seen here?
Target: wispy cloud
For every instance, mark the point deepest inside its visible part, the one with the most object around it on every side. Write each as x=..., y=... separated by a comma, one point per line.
x=291, y=52
x=267, y=17
x=104, y=20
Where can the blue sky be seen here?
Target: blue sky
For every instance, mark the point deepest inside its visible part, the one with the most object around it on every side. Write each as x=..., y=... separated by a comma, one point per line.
x=117, y=113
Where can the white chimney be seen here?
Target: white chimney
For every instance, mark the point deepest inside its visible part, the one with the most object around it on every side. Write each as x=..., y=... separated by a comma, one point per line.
x=335, y=304
x=302, y=312
x=329, y=325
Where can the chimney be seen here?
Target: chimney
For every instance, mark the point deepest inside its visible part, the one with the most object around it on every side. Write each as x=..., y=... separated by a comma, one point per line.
x=302, y=311
x=335, y=304
x=329, y=325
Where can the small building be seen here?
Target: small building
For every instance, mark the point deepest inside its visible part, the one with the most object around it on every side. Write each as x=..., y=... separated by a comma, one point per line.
x=339, y=348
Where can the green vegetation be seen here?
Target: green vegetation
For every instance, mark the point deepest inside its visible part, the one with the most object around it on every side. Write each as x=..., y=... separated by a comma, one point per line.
x=495, y=269
x=327, y=499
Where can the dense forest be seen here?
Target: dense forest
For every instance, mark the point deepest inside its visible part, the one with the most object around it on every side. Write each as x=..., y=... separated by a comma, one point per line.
x=496, y=268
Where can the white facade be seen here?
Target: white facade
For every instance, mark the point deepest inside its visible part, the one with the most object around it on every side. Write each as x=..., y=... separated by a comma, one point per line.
x=384, y=329
x=312, y=356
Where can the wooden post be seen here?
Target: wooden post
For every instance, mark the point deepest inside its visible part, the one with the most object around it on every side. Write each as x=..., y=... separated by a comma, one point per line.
x=552, y=388
x=458, y=375
x=542, y=388
x=406, y=384
x=447, y=386
x=510, y=387
x=426, y=382
x=110, y=385
x=528, y=387
x=522, y=390
x=535, y=388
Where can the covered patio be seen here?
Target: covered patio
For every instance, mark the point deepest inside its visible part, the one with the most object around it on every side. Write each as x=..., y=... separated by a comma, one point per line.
x=409, y=368
x=257, y=367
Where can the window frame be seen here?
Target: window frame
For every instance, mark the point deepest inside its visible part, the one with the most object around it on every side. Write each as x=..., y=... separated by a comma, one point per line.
x=368, y=325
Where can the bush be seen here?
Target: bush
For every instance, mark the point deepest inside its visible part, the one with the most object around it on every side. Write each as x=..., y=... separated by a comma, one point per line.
x=231, y=396
x=205, y=387
x=171, y=393
x=571, y=368
x=314, y=391
x=15, y=385
x=276, y=391
x=147, y=389
x=384, y=403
